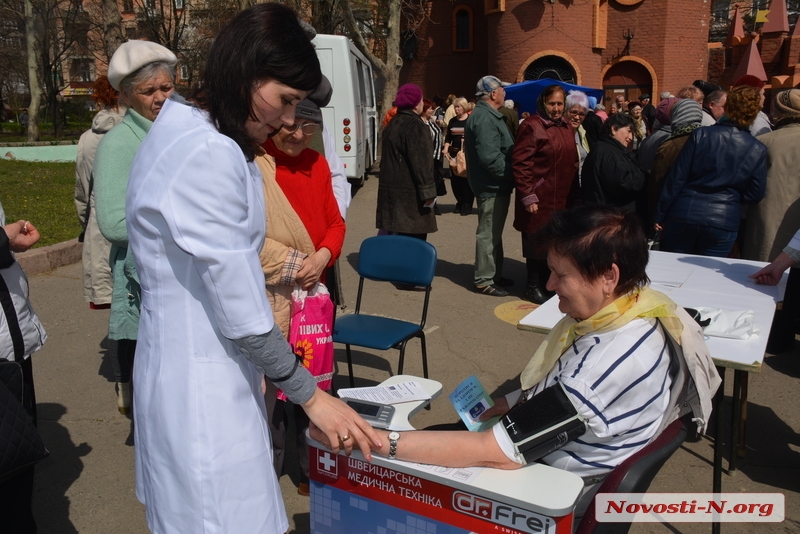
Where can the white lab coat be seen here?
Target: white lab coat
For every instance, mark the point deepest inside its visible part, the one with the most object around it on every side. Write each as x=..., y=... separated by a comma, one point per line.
x=196, y=220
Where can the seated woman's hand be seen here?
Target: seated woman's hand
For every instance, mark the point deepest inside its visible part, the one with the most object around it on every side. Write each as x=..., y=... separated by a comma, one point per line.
x=500, y=408
x=312, y=268
x=338, y=426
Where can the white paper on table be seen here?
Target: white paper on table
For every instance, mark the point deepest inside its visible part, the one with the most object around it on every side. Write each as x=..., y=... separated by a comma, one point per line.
x=390, y=394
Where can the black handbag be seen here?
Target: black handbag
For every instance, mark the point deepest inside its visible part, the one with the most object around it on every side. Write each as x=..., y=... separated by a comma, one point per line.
x=21, y=446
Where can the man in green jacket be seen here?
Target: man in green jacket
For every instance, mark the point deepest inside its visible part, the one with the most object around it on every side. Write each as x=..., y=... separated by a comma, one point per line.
x=487, y=147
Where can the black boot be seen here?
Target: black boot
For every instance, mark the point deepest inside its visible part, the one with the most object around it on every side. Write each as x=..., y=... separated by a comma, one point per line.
x=533, y=293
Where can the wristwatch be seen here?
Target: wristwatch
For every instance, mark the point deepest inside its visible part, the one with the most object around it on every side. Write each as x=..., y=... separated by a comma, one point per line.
x=394, y=437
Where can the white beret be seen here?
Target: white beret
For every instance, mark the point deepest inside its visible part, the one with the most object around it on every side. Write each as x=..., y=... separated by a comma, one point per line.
x=134, y=55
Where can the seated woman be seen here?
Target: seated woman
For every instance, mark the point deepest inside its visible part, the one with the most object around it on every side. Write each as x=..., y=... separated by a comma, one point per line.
x=612, y=355
x=305, y=232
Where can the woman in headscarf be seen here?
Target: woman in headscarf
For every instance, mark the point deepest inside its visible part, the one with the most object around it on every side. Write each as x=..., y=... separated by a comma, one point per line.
x=407, y=188
x=719, y=168
x=685, y=117
x=144, y=74
x=544, y=163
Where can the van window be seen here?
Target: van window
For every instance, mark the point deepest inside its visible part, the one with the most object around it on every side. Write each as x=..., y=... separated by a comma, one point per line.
x=362, y=91
x=368, y=81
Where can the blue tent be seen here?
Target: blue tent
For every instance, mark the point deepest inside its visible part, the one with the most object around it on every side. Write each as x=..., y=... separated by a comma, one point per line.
x=524, y=94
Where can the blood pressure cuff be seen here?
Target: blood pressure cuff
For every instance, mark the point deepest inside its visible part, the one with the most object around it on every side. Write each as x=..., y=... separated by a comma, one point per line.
x=543, y=424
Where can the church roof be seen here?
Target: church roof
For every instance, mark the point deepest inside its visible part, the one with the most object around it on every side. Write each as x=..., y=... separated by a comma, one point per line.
x=751, y=63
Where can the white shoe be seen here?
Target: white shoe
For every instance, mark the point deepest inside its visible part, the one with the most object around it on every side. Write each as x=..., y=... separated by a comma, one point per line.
x=123, y=397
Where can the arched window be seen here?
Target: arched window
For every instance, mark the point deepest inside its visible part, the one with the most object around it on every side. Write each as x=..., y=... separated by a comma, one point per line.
x=552, y=67
x=462, y=29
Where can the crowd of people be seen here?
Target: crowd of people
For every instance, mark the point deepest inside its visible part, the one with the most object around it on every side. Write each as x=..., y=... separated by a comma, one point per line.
x=202, y=217
x=689, y=166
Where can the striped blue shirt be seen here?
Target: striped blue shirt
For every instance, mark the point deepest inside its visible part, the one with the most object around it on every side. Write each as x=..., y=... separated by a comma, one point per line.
x=619, y=381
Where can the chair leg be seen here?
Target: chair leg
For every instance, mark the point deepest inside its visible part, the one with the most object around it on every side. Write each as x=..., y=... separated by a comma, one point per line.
x=424, y=361
x=402, y=357
x=424, y=355
x=350, y=366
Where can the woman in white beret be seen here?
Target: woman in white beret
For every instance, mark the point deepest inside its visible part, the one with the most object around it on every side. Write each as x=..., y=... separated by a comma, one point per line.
x=197, y=221
x=144, y=74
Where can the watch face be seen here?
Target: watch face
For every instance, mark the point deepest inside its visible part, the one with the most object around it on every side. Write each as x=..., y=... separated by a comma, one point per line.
x=394, y=435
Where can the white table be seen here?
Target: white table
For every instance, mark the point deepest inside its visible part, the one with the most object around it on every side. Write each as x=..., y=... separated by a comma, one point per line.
x=721, y=283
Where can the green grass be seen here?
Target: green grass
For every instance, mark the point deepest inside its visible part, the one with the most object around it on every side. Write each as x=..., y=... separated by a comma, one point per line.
x=43, y=194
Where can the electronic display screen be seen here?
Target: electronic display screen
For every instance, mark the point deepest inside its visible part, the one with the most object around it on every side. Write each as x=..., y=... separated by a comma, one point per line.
x=370, y=410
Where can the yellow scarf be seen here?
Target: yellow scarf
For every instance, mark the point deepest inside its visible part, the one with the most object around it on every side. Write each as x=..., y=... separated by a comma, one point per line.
x=645, y=303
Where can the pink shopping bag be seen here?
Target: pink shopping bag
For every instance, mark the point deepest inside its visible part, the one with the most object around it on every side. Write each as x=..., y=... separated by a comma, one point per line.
x=310, y=333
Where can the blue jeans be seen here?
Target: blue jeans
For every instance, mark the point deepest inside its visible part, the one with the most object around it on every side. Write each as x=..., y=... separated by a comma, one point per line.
x=699, y=239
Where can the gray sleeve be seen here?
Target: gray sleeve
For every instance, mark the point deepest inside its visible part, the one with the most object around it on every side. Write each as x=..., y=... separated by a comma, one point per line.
x=792, y=253
x=271, y=354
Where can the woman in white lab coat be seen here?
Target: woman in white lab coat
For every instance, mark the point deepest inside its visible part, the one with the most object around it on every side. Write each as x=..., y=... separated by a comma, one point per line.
x=196, y=220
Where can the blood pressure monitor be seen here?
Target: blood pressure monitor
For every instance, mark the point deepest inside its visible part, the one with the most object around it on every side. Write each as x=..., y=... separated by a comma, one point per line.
x=377, y=415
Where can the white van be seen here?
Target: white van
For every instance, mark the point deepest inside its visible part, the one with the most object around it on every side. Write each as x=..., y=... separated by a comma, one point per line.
x=352, y=115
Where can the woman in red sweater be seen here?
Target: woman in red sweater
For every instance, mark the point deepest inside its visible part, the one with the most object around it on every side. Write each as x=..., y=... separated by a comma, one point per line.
x=305, y=232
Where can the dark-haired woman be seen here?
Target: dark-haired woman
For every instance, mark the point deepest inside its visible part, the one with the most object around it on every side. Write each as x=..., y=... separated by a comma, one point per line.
x=610, y=354
x=719, y=168
x=611, y=176
x=207, y=335
x=544, y=163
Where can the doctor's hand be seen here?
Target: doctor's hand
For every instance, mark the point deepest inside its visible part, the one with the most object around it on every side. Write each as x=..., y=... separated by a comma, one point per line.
x=312, y=268
x=500, y=408
x=532, y=208
x=22, y=235
x=340, y=425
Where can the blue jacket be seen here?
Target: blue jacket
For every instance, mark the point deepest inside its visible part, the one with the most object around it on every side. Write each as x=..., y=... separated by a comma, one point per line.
x=720, y=167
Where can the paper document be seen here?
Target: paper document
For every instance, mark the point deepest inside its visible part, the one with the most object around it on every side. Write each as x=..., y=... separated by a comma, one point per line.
x=391, y=394
x=470, y=400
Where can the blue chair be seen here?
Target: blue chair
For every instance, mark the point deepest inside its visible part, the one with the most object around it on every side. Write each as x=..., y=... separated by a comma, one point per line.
x=388, y=258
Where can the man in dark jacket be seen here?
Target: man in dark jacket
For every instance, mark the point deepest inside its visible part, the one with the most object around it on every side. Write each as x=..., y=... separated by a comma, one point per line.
x=407, y=190
x=487, y=147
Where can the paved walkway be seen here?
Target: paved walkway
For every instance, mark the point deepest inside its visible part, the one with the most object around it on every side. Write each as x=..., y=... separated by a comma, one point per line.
x=87, y=485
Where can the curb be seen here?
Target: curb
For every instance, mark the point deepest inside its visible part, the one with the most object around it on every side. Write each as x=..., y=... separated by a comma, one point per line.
x=43, y=259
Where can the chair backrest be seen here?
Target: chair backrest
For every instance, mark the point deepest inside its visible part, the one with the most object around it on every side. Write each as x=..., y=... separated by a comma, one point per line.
x=634, y=475
x=397, y=258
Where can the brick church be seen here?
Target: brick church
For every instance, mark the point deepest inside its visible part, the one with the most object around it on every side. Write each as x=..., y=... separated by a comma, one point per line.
x=627, y=47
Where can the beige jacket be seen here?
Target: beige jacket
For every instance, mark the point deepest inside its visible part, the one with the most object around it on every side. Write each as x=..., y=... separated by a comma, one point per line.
x=285, y=232
x=694, y=377
x=772, y=222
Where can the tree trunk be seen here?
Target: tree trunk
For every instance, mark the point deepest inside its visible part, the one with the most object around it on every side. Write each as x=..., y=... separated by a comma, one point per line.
x=390, y=69
x=33, y=72
x=112, y=28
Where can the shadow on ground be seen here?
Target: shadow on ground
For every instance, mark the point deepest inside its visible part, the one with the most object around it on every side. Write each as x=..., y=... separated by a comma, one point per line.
x=55, y=475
